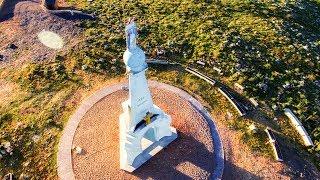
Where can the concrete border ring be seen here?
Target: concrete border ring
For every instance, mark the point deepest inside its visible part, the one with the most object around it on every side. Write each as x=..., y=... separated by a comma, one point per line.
x=64, y=156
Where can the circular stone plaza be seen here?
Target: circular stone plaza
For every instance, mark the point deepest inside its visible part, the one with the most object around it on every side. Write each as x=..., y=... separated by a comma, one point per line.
x=89, y=146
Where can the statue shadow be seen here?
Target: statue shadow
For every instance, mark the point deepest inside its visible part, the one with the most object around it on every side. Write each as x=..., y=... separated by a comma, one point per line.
x=231, y=171
x=184, y=158
x=296, y=159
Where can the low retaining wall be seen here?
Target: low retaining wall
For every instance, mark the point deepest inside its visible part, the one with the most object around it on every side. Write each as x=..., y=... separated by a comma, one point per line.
x=254, y=102
x=230, y=99
x=157, y=61
x=188, y=69
x=200, y=75
x=204, y=77
x=299, y=127
x=274, y=144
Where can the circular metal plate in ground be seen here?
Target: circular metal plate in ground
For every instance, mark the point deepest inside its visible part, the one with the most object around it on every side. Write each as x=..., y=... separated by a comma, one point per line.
x=50, y=39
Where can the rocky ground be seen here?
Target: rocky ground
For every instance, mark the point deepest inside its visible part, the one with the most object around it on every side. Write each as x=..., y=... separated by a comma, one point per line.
x=19, y=26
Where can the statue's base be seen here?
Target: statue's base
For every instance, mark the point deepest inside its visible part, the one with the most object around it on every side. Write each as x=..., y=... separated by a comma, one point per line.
x=190, y=156
x=150, y=151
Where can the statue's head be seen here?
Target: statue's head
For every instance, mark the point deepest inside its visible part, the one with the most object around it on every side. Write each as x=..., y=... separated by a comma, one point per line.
x=133, y=57
x=131, y=34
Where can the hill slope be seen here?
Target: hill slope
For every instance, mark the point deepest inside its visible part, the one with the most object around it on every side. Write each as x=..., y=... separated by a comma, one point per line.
x=272, y=48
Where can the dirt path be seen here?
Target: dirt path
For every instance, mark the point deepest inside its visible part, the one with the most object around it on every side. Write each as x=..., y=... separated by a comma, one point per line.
x=20, y=25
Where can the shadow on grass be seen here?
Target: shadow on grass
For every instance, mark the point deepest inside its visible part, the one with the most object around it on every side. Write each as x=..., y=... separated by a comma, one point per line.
x=296, y=160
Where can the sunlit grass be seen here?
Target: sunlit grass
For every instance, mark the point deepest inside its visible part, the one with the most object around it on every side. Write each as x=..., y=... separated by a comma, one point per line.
x=253, y=42
x=270, y=47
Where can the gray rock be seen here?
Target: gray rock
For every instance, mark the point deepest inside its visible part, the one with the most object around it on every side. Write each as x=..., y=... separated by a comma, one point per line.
x=55, y=27
x=84, y=67
x=160, y=52
x=78, y=150
x=13, y=47
x=24, y=22
x=25, y=164
x=3, y=152
x=6, y=145
x=125, y=88
x=229, y=115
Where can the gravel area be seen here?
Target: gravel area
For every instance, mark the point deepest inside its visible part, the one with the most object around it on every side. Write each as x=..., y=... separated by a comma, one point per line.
x=190, y=156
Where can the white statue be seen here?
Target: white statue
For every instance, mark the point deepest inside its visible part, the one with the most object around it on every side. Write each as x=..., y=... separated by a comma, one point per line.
x=144, y=128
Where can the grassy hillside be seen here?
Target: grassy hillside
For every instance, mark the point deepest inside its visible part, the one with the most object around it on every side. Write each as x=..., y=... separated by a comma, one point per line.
x=272, y=48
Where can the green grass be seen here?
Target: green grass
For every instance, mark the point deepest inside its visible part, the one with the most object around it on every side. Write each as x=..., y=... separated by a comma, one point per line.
x=33, y=122
x=216, y=104
x=253, y=42
x=264, y=45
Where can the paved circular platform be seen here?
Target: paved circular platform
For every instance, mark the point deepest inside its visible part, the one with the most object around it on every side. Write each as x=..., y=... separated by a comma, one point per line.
x=196, y=154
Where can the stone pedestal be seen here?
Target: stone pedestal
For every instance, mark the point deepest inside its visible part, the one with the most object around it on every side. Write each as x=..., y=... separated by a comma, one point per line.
x=139, y=146
x=139, y=140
